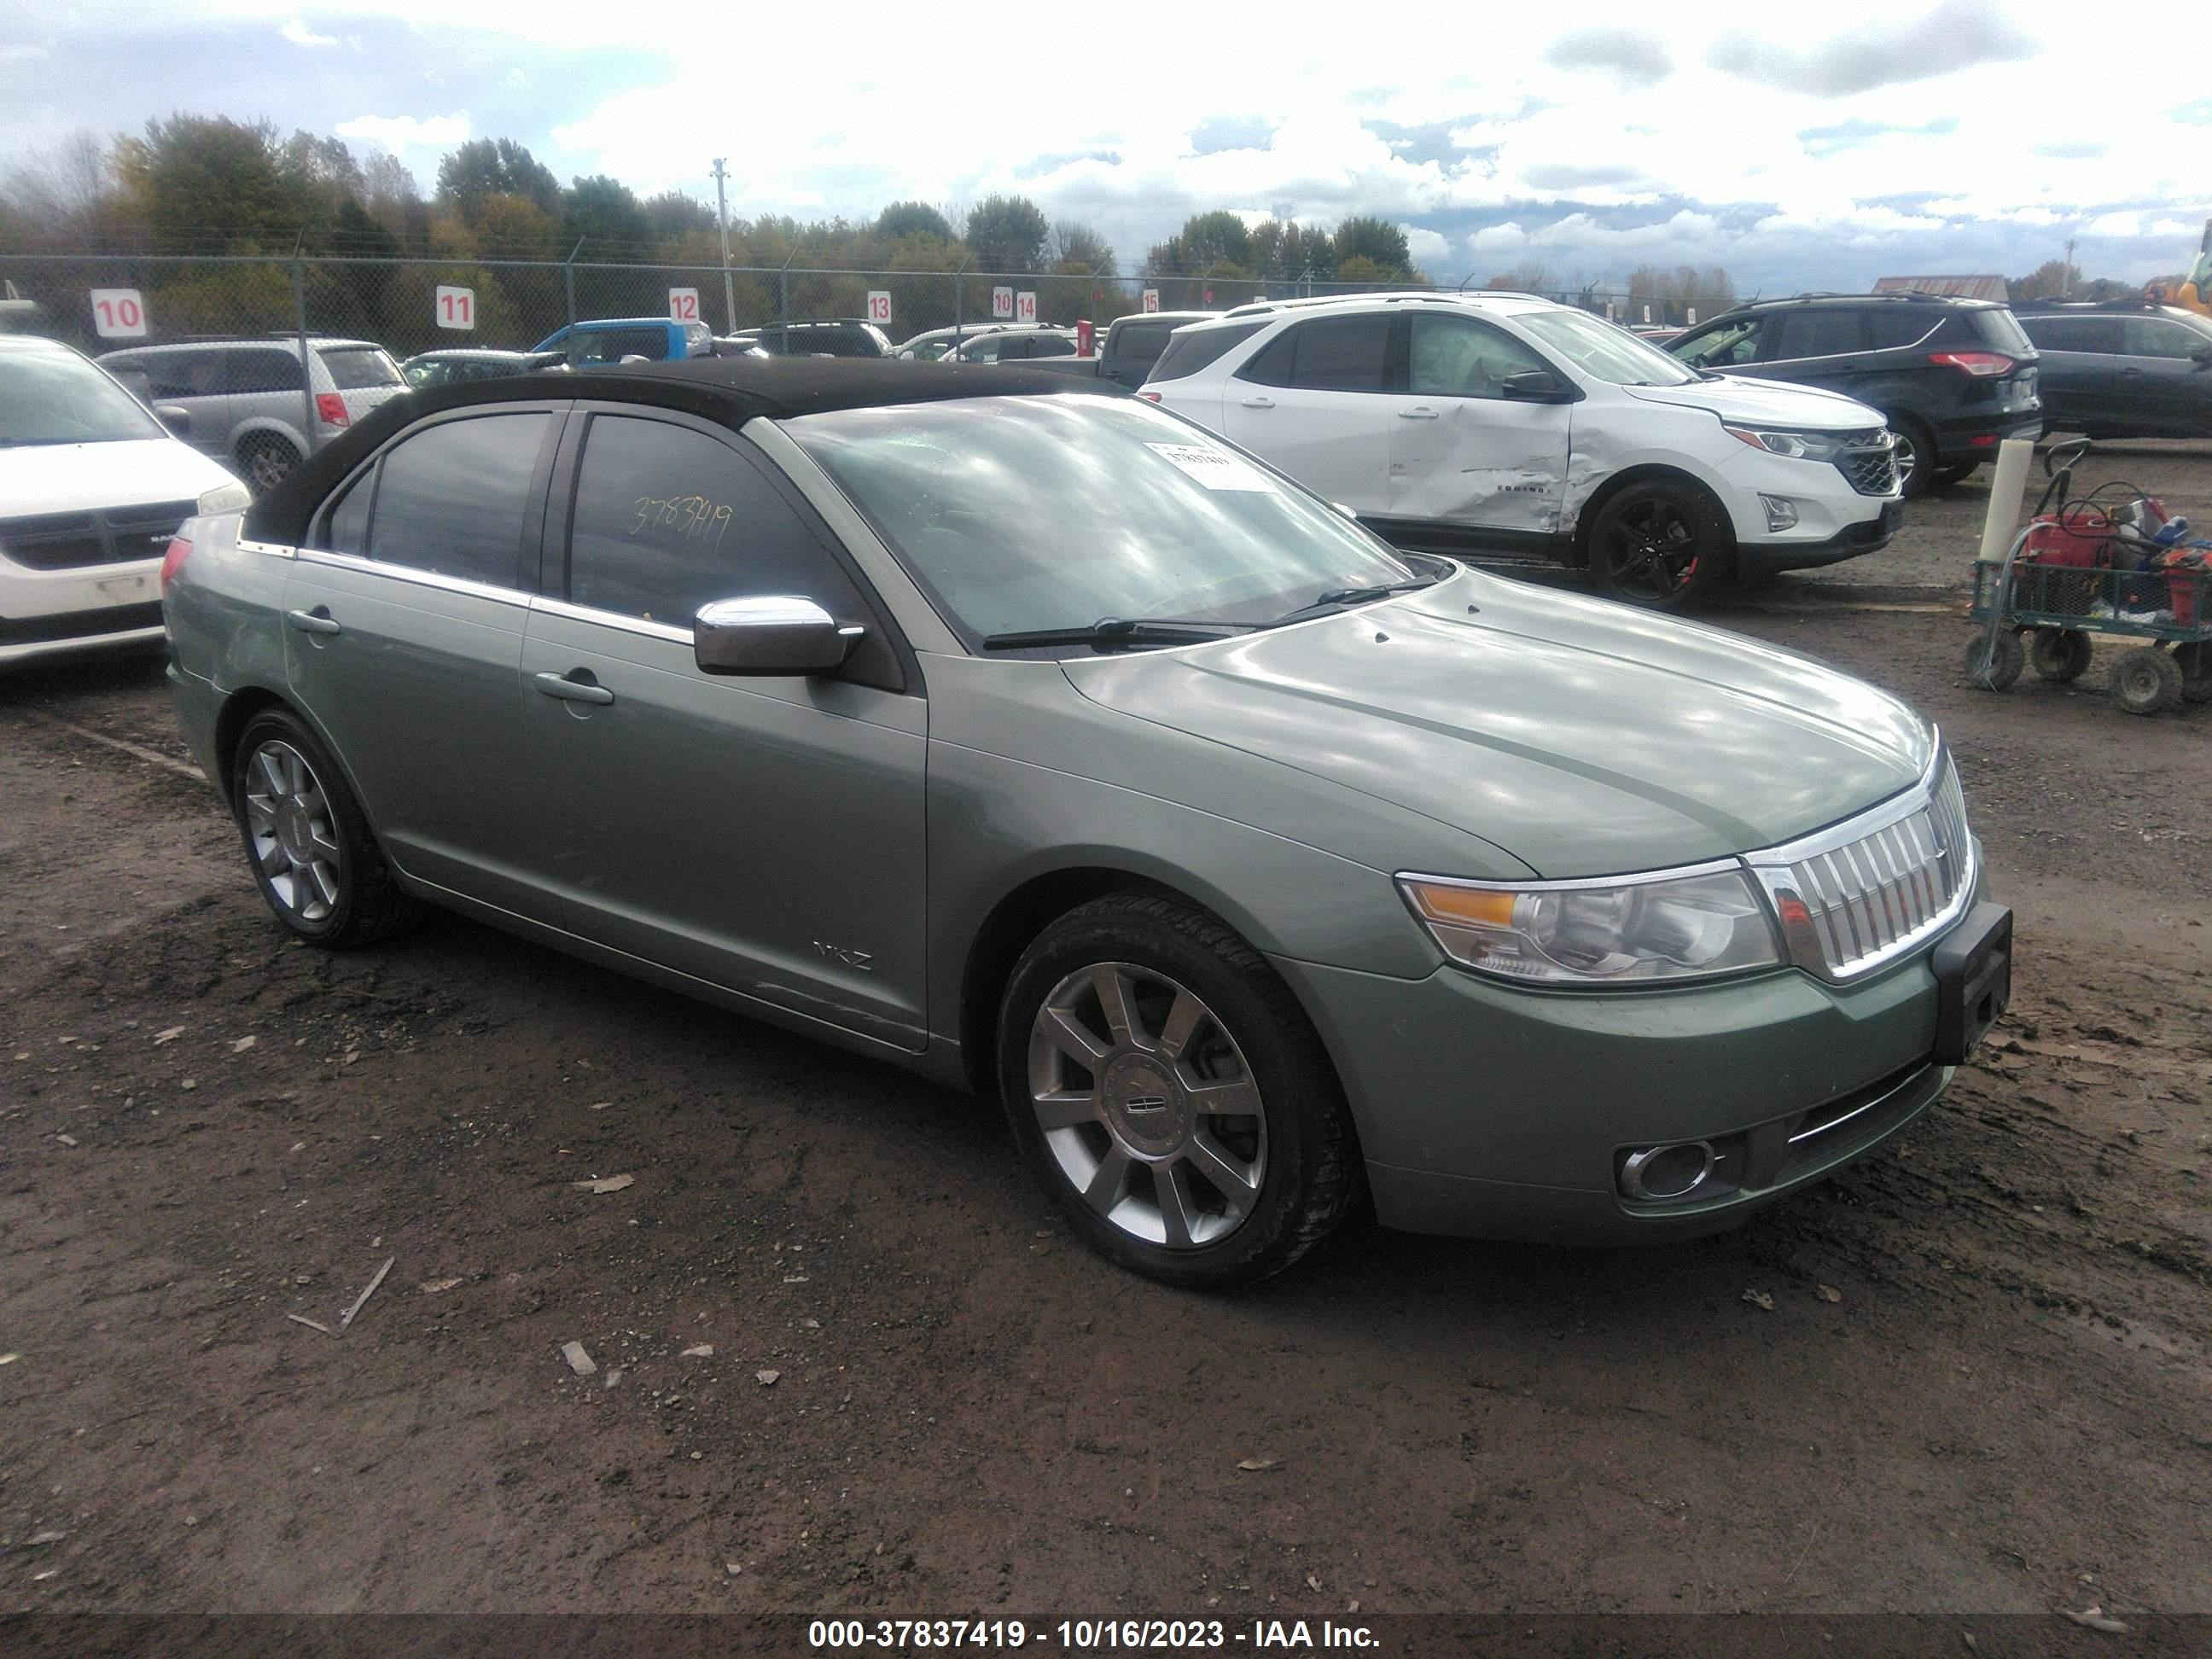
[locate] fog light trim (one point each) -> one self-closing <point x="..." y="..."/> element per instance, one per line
<point x="1781" y="512"/>
<point x="1638" y="1180"/>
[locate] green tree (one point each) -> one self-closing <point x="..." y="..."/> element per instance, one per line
<point x="209" y="184"/>
<point x="1213" y="242"/>
<point x="1007" y="232"/>
<point x="903" y="219"/>
<point x="1376" y="240"/>
<point x="605" y="216"/>
<point x="496" y="167"/>
<point x="672" y="214"/>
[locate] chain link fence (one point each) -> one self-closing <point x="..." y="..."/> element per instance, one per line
<point x="103" y="302"/>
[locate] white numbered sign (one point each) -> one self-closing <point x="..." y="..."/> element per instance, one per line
<point x="456" y="307"/>
<point x="1026" y="306"/>
<point x="684" y="304"/>
<point x="1693" y="314"/>
<point x="1152" y="299"/>
<point x="119" y="313"/>
<point x="1002" y="302"/>
<point x="880" y="306"/>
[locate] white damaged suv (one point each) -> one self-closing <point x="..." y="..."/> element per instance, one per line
<point x="1509" y="422"/>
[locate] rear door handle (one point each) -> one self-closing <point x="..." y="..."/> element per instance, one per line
<point x="568" y="691"/>
<point x="1259" y="403"/>
<point x="2131" y="371"/>
<point x="318" y="621"/>
<point x="1419" y="412"/>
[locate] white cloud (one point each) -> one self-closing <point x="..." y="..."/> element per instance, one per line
<point x="300" y="35"/>
<point x="1427" y="246"/>
<point x="401" y="132"/>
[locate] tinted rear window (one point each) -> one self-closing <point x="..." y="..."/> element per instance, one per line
<point x="1816" y="331"/>
<point x="1187" y="354"/>
<point x="1343" y="353"/>
<point x="2094" y="334"/>
<point x="452" y="498"/>
<point x="2001" y="330"/>
<point x="353" y="368"/>
<point x="1142" y="343"/>
<point x="1891" y="327"/>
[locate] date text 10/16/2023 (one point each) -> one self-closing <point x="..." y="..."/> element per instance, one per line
<point x="1088" y="1635"/>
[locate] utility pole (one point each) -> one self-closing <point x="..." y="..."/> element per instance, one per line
<point x="722" y="213"/>
<point x="2066" y="273"/>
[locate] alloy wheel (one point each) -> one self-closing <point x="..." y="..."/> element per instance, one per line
<point x="1652" y="550"/>
<point x="1147" y="1105"/>
<point x="294" y="838"/>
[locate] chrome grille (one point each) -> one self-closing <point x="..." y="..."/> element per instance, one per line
<point x="1871" y="471"/>
<point x="1868" y="891"/>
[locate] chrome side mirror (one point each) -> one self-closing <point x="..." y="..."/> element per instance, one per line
<point x="775" y="634"/>
<point x="176" y="417"/>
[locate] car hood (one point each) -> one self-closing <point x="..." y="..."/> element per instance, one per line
<point x="1584" y="737"/>
<point x="1774" y="403"/>
<point x="76" y="477"/>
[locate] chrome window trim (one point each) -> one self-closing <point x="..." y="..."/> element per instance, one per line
<point x="584" y="613"/>
<point x="413" y="573"/>
<point x="273" y="550"/>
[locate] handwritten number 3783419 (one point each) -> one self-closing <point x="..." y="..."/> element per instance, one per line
<point x="683" y="518"/>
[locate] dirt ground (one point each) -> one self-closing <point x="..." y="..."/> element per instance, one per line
<point x="923" y="1397"/>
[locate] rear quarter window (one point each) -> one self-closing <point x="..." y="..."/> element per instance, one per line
<point x="2000" y="330"/>
<point x="1894" y="326"/>
<point x="1189" y="352"/>
<point x="452" y="498"/>
<point x="353" y="368"/>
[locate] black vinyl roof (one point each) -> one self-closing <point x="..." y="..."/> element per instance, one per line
<point x="727" y="390"/>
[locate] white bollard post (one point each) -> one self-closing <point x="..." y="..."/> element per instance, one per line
<point x="2008" y="490"/>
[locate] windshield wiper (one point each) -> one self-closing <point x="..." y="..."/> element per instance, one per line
<point x="1341" y="598"/>
<point x="1121" y="630"/>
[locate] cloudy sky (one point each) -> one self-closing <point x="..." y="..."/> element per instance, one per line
<point x="1942" y="136"/>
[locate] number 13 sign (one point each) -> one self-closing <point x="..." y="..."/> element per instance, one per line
<point x="880" y="306"/>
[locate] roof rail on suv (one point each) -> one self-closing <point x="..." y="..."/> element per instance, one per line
<point x="1435" y="296"/>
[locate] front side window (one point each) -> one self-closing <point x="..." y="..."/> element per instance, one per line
<point x="2160" y="336"/>
<point x="1604" y="351"/>
<point x="1725" y="345"/>
<point x="453" y="498"/>
<point x="249" y="369"/>
<point x="1019" y="514"/>
<point x="194" y="373"/>
<point x="668" y="519"/>
<point x="1459" y="357"/>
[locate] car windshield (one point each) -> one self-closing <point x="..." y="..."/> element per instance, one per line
<point x="1603" y="351"/>
<point x="1026" y="514"/>
<point x="57" y="398"/>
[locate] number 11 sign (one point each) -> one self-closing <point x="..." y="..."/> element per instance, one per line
<point x="456" y="307"/>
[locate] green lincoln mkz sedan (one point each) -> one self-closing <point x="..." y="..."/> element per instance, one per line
<point x="1034" y="739"/>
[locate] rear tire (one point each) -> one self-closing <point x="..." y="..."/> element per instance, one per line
<point x="1164" y="1086"/>
<point x="2061" y="655"/>
<point x="1658" y="544"/>
<point x="311" y="850"/>
<point x="2146" y="681"/>
<point x="1917" y="466"/>
<point x="2195" y="660"/>
<point x="266" y="462"/>
<point x="1993" y="665"/>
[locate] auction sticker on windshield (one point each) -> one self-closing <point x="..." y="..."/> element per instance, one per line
<point x="1213" y="469"/>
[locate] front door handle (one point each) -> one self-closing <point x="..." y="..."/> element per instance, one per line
<point x="1259" y="403"/>
<point x="568" y="691"/>
<point x="1419" y="412"/>
<point x="2132" y="371"/>
<point x="318" y="621"/>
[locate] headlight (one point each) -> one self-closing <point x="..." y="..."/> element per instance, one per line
<point x="1798" y="446"/>
<point x="1681" y="925"/>
<point x="225" y="498"/>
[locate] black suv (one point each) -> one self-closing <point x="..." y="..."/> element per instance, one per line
<point x="840" y="337"/>
<point x="2124" y="368"/>
<point x="1952" y="377"/>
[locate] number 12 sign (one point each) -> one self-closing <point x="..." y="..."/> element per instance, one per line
<point x="684" y="304"/>
<point x="456" y="307"/>
<point x="119" y="313"/>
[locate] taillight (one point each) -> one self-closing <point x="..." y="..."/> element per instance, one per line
<point x="1150" y="397"/>
<point x="173" y="561"/>
<point x="331" y="408"/>
<point x="1982" y="365"/>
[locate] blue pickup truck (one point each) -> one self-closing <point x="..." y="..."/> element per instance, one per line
<point x="605" y="341"/>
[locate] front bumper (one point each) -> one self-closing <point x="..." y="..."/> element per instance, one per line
<point x="1493" y="1111"/>
<point x="1869" y="536"/>
<point x="49" y="612"/>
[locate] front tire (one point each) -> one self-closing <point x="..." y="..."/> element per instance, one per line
<point x="2147" y="681"/>
<point x="1917" y="470"/>
<point x="1658" y="544"/>
<point x="1164" y="1086"/>
<point x="311" y="850"/>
